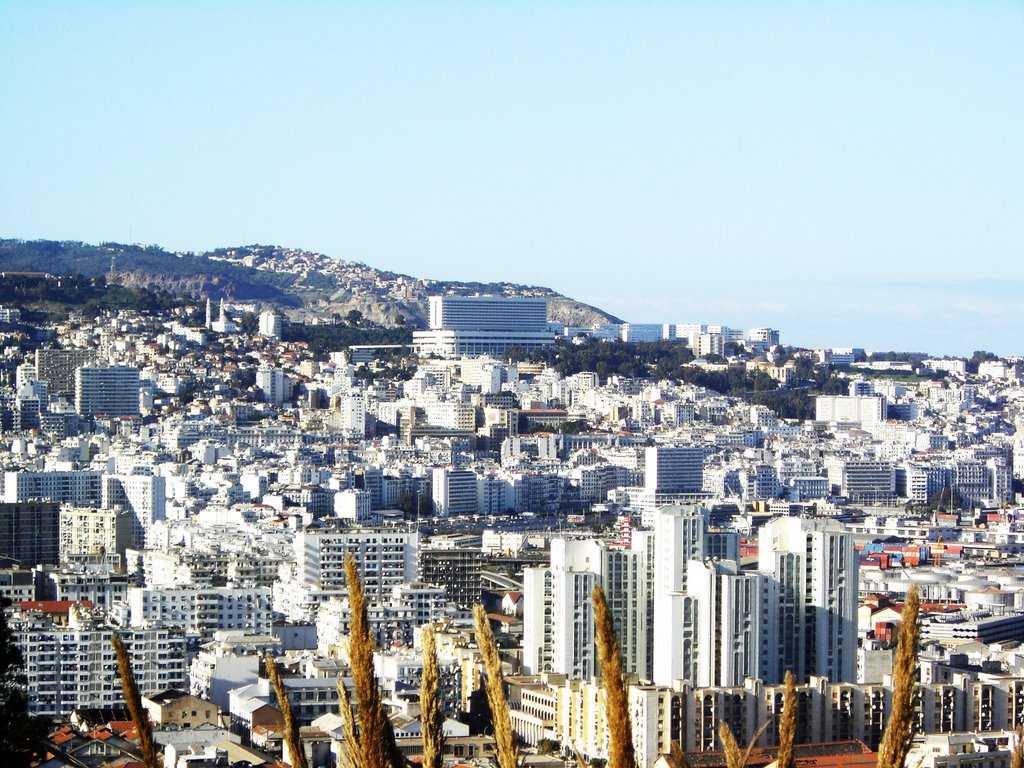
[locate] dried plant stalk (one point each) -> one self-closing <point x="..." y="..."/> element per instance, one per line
<point x="350" y="750"/>
<point x="494" y="685"/>
<point x="678" y="756"/>
<point x="620" y="725"/>
<point x="431" y="710"/>
<point x="733" y="757"/>
<point x="291" y="728"/>
<point x="787" y="727"/>
<point x="139" y="715"/>
<point x="899" y="733"/>
<point x="377" y="747"/>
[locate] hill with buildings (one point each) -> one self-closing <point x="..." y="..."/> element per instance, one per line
<point x="301" y="282"/>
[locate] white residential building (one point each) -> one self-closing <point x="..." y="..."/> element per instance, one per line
<point x="73" y="665"/>
<point x="471" y="326"/>
<point x="355" y="504"/>
<point x="79" y="487"/>
<point x="679" y="534"/>
<point x="454" y="491"/>
<point x="815" y="566"/>
<point x="270" y="324"/>
<point x="202" y="610"/>
<point x="386" y="557"/>
<point x="867" y="412"/>
<point x="737" y="623"/>
<point x="674" y="469"/>
<point x="144" y="495"/>
<point x="558" y="622"/>
<point x="107" y="390"/>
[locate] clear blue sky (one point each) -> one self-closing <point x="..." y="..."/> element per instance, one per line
<point x="852" y="173"/>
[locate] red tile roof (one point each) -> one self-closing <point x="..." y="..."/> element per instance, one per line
<point x="52" y="606"/>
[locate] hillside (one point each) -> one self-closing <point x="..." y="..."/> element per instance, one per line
<point x="300" y="282"/>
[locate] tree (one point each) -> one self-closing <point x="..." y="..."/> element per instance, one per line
<point x="407" y="503"/>
<point x="945" y="499"/>
<point x="426" y="505"/>
<point x="354" y="317"/>
<point x="20" y="734"/>
<point x="505" y="746"/>
<point x="548" y="747"/>
<point x="787" y="725"/>
<point x="979" y="356"/>
<point x="432" y="717"/>
<point x="249" y="323"/>
<point x="292" y="738"/>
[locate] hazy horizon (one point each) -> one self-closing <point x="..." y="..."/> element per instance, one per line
<point x="848" y="174"/>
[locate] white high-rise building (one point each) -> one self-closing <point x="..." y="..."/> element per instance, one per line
<point x="386" y="557"/>
<point x="202" y="610"/>
<point x="275" y="384"/>
<point x="558" y="620"/>
<point x="863" y="480"/>
<point x="709" y="344"/>
<point x="815" y="566"/>
<point x="145" y="496"/>
<point x="107" y="390"/>
<point x="471" y="326"/>
<point x="678" y="469"/>
<point x="454" y="491"/>
<point x="642" y="332"/>
<point x="767" y="336"/>
<point x="355" y="504"/>
<point x="495" y="313"/>
<point x="87" y="530"/>
<point x="679" y="534"/>
<point x="70" y="663"/>
<point x="83" y="488"/>
<point x="737" y="623"/>
<point x="270" y="324"/>
<point x="351" y="410"/>
<point x="865" y="411"/>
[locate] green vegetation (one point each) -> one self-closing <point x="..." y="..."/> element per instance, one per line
<point x="945" y="500"/>
<point x="324" y="339"/>
<point x="19" y="733"/>
<point x="43" y="298"/>
<point x="70" y="257"/>
<point x="548" y="747"/>
<point x="670" y="360"/>
<point x="979" y="356"/>
<point x="660" y="360"/>
<point x="899" y="357"/>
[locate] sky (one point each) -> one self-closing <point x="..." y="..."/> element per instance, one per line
<point x="849" y="173"/>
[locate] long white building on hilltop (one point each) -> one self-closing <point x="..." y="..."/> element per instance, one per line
<point x="471" y="326"/>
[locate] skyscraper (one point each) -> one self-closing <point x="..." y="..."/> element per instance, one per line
<point x="737" y="624"/>
<point x="558" y="620"/>
<point x="675" y="469"/>
<point x="815" y="566"/>
<point x="107" y="390"/>
<point x="679" y="533"/>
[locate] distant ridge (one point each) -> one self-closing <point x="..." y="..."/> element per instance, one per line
<point x="301" y="282"/>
